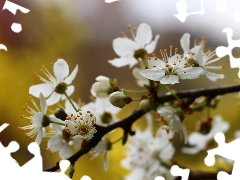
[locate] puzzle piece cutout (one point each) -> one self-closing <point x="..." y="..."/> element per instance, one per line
<point x="227" y="150"/>
<point x="159" y="178"/>
<point x="222" y="51"/>
<point x="33" y="169"/>
<point x="12" y="7"/>
<point x="177" y="171"/>
<point x="182" y="8"/>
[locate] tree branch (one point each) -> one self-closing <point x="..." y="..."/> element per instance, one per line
<point x="127" y="122"/>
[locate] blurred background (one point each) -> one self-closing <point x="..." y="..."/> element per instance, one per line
<point x="81" y="32"/>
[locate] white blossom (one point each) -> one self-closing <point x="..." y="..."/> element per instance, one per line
<point x="38" y="119"/>
<point x="170" y="70"/>
<point x="199" y="141"/>
<point x="60" y="142"/>
<point x="126" y="48"/>
<point x="54" y="87"/>
<point x="101" y="148"/>
<point x="168" y="115"/>
<point x="146" y="153"/>
<point x="200" y="58"/>
<point x="81" y="124"/>
<point x="101" y="87"/>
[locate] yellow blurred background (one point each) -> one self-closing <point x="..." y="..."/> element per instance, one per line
<point x="81" y="32"/>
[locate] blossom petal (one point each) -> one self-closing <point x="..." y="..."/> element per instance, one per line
<point x="185" y="42"/>
<point x="60" y="69"/>
<point x="37" y="119"/>
<point x="198" y="55"/>
<point x="72" y="76"/>
<point x="57" y="127"/>
<point x="150" y="48"/>
<point x="43" y="103"/>
<point x="153" y="74"/>
<point x="170" y="79"/>
<point x="77" y="141"/>
<point x="105" y="161"/>
<point x="143" y="34"/>
<point x="212" y="76"/>
<point x="45" y="89"/>
<point x="53" y="99"/>
<point x="39" y="136"/>
<point x="66" y="151"/>
<point x="55" y="143"/>
<point x="120" y="62"/>
<point x="190" y="73"/>
<point x="124" y="47"/>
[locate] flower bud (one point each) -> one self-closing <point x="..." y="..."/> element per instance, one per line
<point x="101" y="87"/>
<point x="119" y="99"/>
<point x="60" y="114"/>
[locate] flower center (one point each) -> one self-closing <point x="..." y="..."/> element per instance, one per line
<point x="83" y="130"/>
<point x="140" y="53"/>
<point x="65" y="135"/>
<point x="61" y="88"/>
<point x="45" y="121"/>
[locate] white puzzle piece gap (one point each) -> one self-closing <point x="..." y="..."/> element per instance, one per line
<point x="177" y="171"/>
<point x="227" y="150"/>
<point x="183" y="13"/>
<point x="222" y="51"/>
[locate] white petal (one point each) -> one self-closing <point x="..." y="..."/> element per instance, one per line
<point x="45" y="89"/>
<point x="150" y="48"/>
<point x="160" y="64"/>
<point x="120" y="62"/>
<point x="2" y="46"/>
<point x="57" y="127"/>
<point x="39" y="136"/>
<point x="170" y="79"/>
<point x="212" y="76"/>
<point x="66" y="151"/>
<point x="185" y="42"/>
<point x="69" y="108"/>
<point x="143" y="35"/>
<point x="198" y="55"/>
<point x="53" y="118"/>
<point x="77" y="141"/>
<point x="124" y="47"/>
<point x="105" y="161"/>
<point x="190" y="73"/>
<point x="43" y="103"/>
<point x="53" y="99"/>
<point x="153" y="74"/>
<point x="72" y="76"/>
<point x="37" y="120"/>
<point x="102" y="78"/>
<point x="55" y="143"/>
<point x="60" y="69"/>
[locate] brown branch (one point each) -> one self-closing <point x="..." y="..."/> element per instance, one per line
<point x="127" y="122"/>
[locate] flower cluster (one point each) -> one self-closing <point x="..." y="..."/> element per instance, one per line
<point x="149" y="152"/>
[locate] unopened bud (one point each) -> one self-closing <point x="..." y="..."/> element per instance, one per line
<point x="119" y="99"/>
<point x="60" y="114"/>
